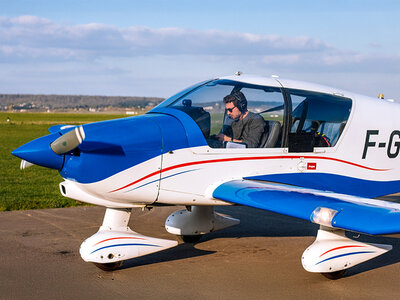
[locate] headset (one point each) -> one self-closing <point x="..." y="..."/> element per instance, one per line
<point x="242" y="102"/>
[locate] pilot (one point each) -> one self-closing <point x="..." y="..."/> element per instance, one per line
<point x="247" y="127"/>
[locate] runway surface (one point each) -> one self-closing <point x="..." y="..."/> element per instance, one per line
<point x="258" y="259"/>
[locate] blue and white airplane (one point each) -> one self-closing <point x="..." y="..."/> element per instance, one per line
<point x="325" y="155"/>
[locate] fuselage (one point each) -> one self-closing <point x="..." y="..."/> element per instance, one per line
<point x="166" y="156"/>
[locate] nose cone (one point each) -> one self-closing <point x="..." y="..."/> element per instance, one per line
<point x="39" y="152"/>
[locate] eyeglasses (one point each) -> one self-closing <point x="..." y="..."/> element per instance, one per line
<point x="230" y="109"/>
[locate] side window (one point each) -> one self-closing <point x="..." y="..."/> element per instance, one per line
<point x="317" y="120"/>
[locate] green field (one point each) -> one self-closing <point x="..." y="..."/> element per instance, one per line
<point x="34" y="187"/>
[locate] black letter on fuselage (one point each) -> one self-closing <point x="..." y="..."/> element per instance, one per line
<point x="396" y="144"/>
<point x="368" y="143"/>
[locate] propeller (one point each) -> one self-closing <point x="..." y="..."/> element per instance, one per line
<point x="68" y="141"/>
<point x="48" y="151"/>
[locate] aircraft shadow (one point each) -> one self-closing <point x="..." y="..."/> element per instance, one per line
<point x="260" y="223"/>
<point x="389" y="258"/>
<point x="181" y="251"/>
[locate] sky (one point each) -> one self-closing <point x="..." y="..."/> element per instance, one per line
<point x="157" y="48"/>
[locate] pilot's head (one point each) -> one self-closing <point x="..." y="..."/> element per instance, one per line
<point x="235" y="104"/>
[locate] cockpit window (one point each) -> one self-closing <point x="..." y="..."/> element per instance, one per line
<point x="317" y="120"/>
<point x="206" y="107"/>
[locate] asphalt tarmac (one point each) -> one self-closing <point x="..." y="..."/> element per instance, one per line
<point x="258" y="259"/>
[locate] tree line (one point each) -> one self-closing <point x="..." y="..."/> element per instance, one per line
<point x="27" y="101"/>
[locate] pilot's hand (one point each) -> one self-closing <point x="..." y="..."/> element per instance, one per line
<point x="224" y="138"/>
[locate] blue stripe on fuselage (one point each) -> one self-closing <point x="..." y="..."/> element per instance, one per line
<point x="335" y="183"/>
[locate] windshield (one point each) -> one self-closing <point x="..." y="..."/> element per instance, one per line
<point x="206" y="107"/>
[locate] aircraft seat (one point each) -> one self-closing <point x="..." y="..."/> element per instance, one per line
<point x="271" y="134"/>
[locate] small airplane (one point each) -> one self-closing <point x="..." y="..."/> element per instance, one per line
<point x="324" y="157"/>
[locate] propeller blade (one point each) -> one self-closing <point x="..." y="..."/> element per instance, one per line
<point x="25" y="164"/>
<point x="68" y="141"/>
<point x="58" y="128"/>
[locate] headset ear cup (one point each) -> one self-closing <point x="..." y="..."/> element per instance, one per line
<point x="240" y="106"/>
<point x="242" y="102"/>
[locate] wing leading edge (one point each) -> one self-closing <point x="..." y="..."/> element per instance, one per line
<point x="352" y="213"/>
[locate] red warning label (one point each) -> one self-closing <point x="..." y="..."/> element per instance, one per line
<point x="311" y="166"/>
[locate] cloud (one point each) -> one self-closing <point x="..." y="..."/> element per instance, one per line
<point x="32" y="37"/>
<point x="40" y="55"/>
<point x="335" y="60"/>
<point x="28" y="38"/>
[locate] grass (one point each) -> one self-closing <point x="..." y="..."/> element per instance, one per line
<point x="34" y="187"/>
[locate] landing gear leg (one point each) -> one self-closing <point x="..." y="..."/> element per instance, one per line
<point x="116" y="242"/>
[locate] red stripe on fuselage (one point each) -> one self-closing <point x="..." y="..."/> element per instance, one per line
<point x="242" y="159"/>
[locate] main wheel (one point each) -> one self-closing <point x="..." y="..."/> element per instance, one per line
<point x="334" y="275"/>
<point x="110" y="266"/>
<point x="190" y="238"/>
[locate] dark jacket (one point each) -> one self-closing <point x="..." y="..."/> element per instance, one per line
<point x="249" y="130"/>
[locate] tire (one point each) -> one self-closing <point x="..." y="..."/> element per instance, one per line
<point x="109" y="266"/>
<point x="190" y="238"/>
<point x="334" y="275"/>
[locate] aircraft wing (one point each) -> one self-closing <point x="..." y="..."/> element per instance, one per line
<point x="364" y="215"/>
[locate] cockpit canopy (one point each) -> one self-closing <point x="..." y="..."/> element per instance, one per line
<point x="298" y="119"/>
